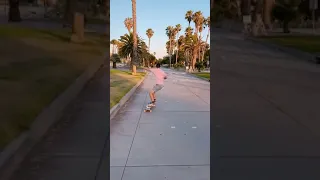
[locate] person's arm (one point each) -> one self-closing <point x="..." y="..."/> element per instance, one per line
<point x="147" y="69"/>
<point x="165" y="76"/>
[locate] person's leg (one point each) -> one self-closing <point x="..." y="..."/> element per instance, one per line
<point x="154" y="96"/>
<point x="156" y="88"/>
<point x="151" y="95"/>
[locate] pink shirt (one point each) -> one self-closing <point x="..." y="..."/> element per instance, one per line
<point x="159" y="75"/>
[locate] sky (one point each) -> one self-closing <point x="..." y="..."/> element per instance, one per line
<point x="157" y="15"/>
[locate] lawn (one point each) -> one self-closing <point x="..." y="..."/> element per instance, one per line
<point x="121" y="83"/>
<point x="35" y="67"/>
<point x="309" y="44"/>
<point x="205" y="75"/>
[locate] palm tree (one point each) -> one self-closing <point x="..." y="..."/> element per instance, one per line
<point x="118" y="44"/>
<point x="198" y="20"/>
<point x="267" y="10"/>
<point x="207" y="24"/>
<point x="285" y="11"/>
<point x="188" y="16"/>
<point x="143" y="52"/>
<point x="128" y="22"/>
<point x="188" y="31"/>
<point x="126" y="47"/>
<point x="177" y="29"/>
<point x="180" y="43"/>
<point x="192" y="45"/>
<point x="115" y="58"/>
<point x="149" y="33"/>
<point x="135" y="43"/>
<point x="170" y="33"/>
<point x="113" y="42"/>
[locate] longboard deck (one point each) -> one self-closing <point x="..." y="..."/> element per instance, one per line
<point x="148" y="108"/>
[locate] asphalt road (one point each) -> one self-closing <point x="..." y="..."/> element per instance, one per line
<point x="265" y="112"/>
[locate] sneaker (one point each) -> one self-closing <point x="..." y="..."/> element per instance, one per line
<point x="151" y="104"/>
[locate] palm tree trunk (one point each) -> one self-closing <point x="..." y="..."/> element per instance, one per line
<point x="257" y="24"/>
<point x="206" y="43"/>
<point x="199" y="58"/>
<point x="194" y="58"/>
<point x="177" y="49"/>
<point x="286" y="27"/>
<point x="170" y="52"/>
<point x="267" y="10"/>
<point x="135" y="42"/>
<point x="177" y="52"/>
<point x="149" y="45"/>
<point x="246" y="11"/>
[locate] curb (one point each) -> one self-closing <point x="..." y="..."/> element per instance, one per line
<point x="208" y="80"/>
<point x="15" y="152"/>
<point x="291" y="51"/>
<point x="114" y="110"/>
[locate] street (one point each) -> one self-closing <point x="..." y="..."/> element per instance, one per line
<point x="264" y="112"/>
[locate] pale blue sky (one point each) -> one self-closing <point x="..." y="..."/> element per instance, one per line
<point x="156" y="15"/>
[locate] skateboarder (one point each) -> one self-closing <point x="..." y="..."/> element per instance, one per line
<point x="160" y="76"/>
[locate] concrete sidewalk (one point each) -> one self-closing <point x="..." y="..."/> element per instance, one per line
<point x="266" y="104"/>
<point x="75" y="147"/>
<point x="171" y="142"/>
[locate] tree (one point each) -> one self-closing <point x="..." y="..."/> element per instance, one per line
<point x="170" y="31"/>
<point x="257" y="24"/>
<point x="149" y="33"/>
<point x="207" y="24"/>
<point x="267" y="13"/>
<point x="126" y="47"/>
<point x="134" y="57"/>
<point x="14" y="11"/>
<point x="177" y="29"/>
<point x="113" y="42"/>
<point x="128" y="23"/>
<point x="115" y="58"/>
<point x="198" y="20"/>
<point x="143" y="53"/>
<point x="285" y="11"/>
<point x="180" y="44"/>
<point x="188" y="31"/>
<point x="188" y="16"/>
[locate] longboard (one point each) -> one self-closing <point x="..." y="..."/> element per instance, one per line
<point x="148" y="108"/>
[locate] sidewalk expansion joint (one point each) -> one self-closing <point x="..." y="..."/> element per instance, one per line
<point x="134" y="136"/>
<point x="272" y="157"/>
<point x="169" y="165"/>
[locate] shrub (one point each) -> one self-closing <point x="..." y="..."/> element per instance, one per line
<point x="199" y="66"/>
